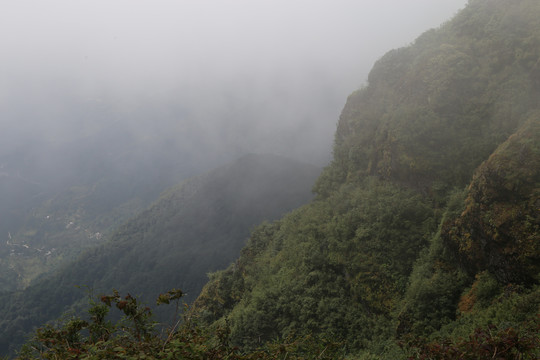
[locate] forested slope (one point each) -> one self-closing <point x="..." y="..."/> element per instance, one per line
<point x="426" y="223"/>
<point x="61" y="197"/>
<point x="422" y="240"/>
<point x="195" y="227"/>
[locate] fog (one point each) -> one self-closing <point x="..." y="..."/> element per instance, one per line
<point x="219" y="77"/>
<point x="105" y="104"/>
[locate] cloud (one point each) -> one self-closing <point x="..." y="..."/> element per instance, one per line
<point x="271" y="75"/>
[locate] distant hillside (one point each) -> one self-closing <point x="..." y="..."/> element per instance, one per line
<point x="422" y="241"/>
<point x="59" y="198"/>
<point x="194" y="228"/>
<point x="426" y="224"/>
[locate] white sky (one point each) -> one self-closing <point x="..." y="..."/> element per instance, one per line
<point x="290" y="59"/>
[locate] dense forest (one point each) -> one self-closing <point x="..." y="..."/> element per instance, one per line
<point x="422" y="241"/>
<point x="61" y="197"/>
<point x="426" y="224"/>
<point x="194" y="228"/>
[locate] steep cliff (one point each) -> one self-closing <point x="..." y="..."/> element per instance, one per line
<point x="434" y="185"/>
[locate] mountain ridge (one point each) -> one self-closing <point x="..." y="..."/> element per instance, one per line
<point x="379" y="269"/>
<point x="422" y="240"/>
<point x="193" y="228"/>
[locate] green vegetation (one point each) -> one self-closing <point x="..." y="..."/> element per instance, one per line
<point x="194" y="228"/>
<point x="134" y="337"/>
<point x="423" y="239"/>
<point x="59" y="229"/>
<point x="61" y="199"/>
<point x="435" y="183"/>
<point x="324" y="268"/>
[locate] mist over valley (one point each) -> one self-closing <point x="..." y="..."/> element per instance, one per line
<point x="296" y="180"/>
<point x="103" y="106"/>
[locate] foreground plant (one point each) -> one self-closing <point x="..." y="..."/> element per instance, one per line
<point x="491" y="342"/>
<point x="135" y="336"/>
